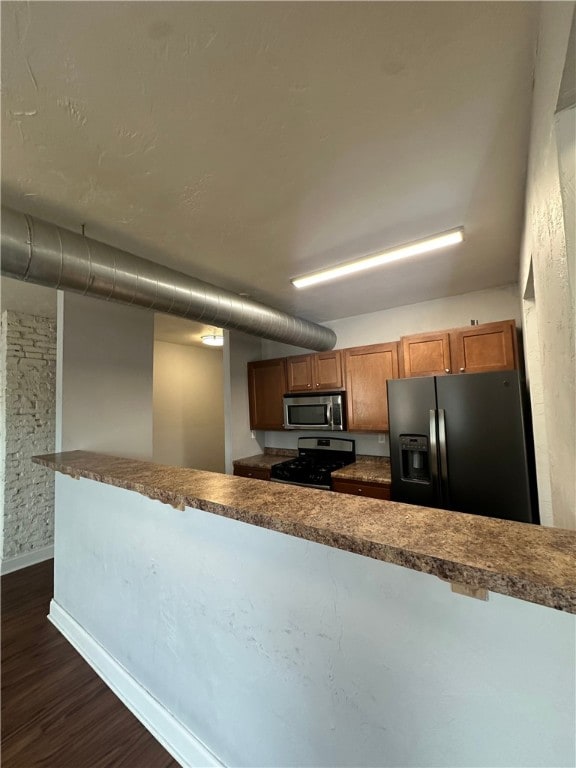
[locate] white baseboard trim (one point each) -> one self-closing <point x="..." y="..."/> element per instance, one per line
<point x="28" y="558"/>
<point x="181" y="743"/>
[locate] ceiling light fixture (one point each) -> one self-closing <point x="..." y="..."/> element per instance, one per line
<point x="212" y="340"/>
<point x="433" y="243"/>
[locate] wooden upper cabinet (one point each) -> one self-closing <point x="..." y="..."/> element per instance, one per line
<point x="320" y="372"/>
<point x="364" y="371"/>
<point x="426" y="354"/>
<point x="299" y="373"/>
<point x="367" y="369"/>
<point x="472" y="349"/>
<point x="487" y="347"/>
<point x="327" y="370"/>
<point x="266" y="388"/>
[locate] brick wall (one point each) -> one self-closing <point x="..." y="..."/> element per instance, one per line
<point x="27" y="420"/>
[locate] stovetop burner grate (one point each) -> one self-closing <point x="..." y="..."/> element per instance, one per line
<point x="317" y="459"/>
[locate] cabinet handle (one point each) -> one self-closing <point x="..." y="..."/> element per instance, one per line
<point x="308" y="385"/>
<point x="317" y="385"/>
<point x="359" y="490"/>
<point x="462" y="370"/>
<point x="447" y="370"/>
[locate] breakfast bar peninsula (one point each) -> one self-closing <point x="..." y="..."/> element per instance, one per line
<point x="251" y="623"/>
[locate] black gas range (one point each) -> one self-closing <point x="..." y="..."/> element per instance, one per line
<point x="317" y="458"/>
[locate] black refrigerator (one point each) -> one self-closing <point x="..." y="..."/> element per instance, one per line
<point x="464" y="443"/>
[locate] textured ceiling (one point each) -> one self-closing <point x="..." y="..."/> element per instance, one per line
<point x="246" y="143"/>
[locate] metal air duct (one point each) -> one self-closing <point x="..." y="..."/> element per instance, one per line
<point x="38" y="252"/>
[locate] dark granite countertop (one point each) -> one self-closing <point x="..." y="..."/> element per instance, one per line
<point x="524" y="561"/>
<point x="262" y="460"/>
<point x="367" y="469"/>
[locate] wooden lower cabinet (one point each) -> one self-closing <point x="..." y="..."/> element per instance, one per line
<point x="257" y="473"/>
<point x="367" y="369"/>
<point x="369" y="490"/>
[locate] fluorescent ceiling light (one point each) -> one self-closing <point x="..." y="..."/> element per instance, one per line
<point x="212" y="340"/>
<point x="433" y="243"/>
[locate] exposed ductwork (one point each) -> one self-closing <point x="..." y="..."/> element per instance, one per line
<point x="38" y="252"/>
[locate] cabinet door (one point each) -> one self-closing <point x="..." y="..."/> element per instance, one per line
<point x="299" y="370"/>
<point x="368" y="490"/>
<point x="486" y="347"/>
<point x="327" y="370"/>
<point x="367" y="369"/>
<point x="257" y="473"/>
<point x="266" y="387"/>
<point x="426" y="354"/>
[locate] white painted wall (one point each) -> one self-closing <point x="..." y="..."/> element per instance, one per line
<point x="188" y="406"/>
<point x="451" y="312"/>
<point x="239" y="350"/>
<point x="389" y="325"/>
<point x="19" y="296"/>
<point x="544" y="247"/>
<point x="366" y="444"/>
<point x="534" y="375"/>
<point x="104" y="386"/>
<point x="566" y="142"/>
<point x="275" y="651"/>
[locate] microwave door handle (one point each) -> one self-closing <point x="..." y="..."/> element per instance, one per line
<point x="329" y="414"/>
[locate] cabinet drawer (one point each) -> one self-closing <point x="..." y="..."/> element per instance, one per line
<point x="370" y="490"/>
<point x="256" y="473"/>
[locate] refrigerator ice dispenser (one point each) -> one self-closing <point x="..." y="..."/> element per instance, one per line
<point x="414" y="458"/>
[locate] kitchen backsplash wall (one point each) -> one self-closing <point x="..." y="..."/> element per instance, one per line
<point x="501" y="303"/>
<point x="368" y="445"/>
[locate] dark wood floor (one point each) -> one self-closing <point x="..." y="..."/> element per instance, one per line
<point x="56" y="712"/>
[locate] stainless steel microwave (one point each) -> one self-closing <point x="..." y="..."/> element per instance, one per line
<point x="320" y="411"/>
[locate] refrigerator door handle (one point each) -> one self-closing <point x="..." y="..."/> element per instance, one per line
<point x="433" y="449"/>
<point x="443" y="456"/>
